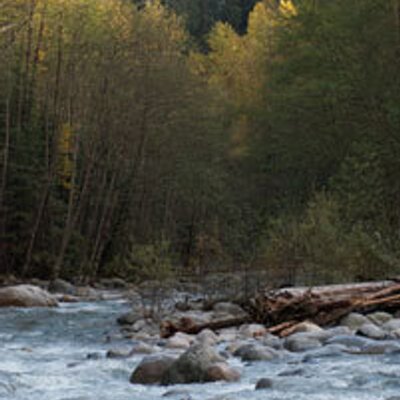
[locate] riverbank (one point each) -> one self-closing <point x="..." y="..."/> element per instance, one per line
<point x="93" y="349"/>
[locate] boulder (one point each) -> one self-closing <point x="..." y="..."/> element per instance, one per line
<point x="264" y="383"/>
<point x="273" y="342"/>
<point x="308" y="327"/>
<point x="61" y="286"/>
<point x="374" y="348"/>
<point x="354" y="321"/>
<point x="114" y="283"/>
<point x="350" y="341"/>
<point x="179" y="341"/>
<point x="130" y="317"/>
<point x="372" y="331"/>
<point x="300" y="342"/>
<point x="207" y="336"/>
<point x="330" y="350"/>
<point x="255" y="352"/>
<point x="379" y="318"/>
<point x="88" y="292"/>
<point x="193" y="365"/>
<point x="151" y="370"/>
<point x="252" y="330"/>
<point x="26" y="296"/>
<point x="392" y="325"/>
<point x="222" y="372"/>
<point x="141" y="348"/>
<point x="117" y="353"/>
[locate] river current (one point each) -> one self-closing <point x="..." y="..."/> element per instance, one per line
<point x="59" y="354"/>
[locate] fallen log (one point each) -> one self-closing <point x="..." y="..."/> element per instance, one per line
<point x="186" y="325"/>
<point x="280" y="310"/>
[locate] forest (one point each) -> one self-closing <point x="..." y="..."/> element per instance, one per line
<point x="152" y="138"/>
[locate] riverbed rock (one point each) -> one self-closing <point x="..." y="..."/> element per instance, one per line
<point x="252" y="330"/>
<point x="179" y="341"/>
<point x="354" y="321"/>
<point x="374" y="348"/>
<point x="372" y="331"/>
<point x="300" y="342"/>
<point x="130" y="317"/>
<point x="379" y="318"/>
<point x="222" y="372"/>
<point x="118" y="353"/>
<point x="62" y="286"/>
<point x="192" y="366"/>
<point x="207" y="336"/>
<point x="351" y="341"/>
<point x="264" y="383"/>
<point x="26" y="296"/>
<point x="256" y="352"/>
<point x="179" y="394"/>
<point x="88" y="293"/>
<point x="114" y="283"/>
<point x="392" y="325"/>
<point x="142" y="348"/>
<point x="308" y="327"/>
<point x="151" y="370"/>
<point x="272" y="341"/>
<point x="330" y="350"/>
<point x="229" y="308"/>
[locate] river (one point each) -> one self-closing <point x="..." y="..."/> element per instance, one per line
<point x="44" y="356"/>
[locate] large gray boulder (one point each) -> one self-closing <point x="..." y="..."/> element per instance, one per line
<point x="379" y="317"/>
<point x="151" y="370"/>
<point x="372" y="331"/>
<point x="354" y="321"/>
<point x="26" y="296"/>
<point x="200" y="363"/>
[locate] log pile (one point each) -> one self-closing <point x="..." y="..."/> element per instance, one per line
<point x="281" y="310"/>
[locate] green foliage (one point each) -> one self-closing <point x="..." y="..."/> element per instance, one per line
<point x="319" y="247"/>
<point x="144" y="262"/>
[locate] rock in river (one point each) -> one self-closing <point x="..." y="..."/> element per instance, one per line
<point x="26" y="296"/>
<point x="200" y="363"/>
<point x="151" y="370"/>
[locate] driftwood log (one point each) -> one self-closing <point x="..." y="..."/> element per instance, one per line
<point x="186" y="325"/>
<point x="281" y="310"/>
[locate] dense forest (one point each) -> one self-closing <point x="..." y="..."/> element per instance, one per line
<point x="140" y="139"/>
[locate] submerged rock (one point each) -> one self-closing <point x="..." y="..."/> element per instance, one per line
<point x="26" y="296"/>
<point x="179" y="394"/>
<point x="264" y="383"/>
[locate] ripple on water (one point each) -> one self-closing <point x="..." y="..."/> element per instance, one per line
<point x="43" y="357"/>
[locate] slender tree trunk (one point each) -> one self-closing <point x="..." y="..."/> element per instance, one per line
<point x="103" y="221"/>
<point x="3" y="182"/>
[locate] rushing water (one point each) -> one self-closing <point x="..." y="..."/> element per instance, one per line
<point x="43" y="356"/>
